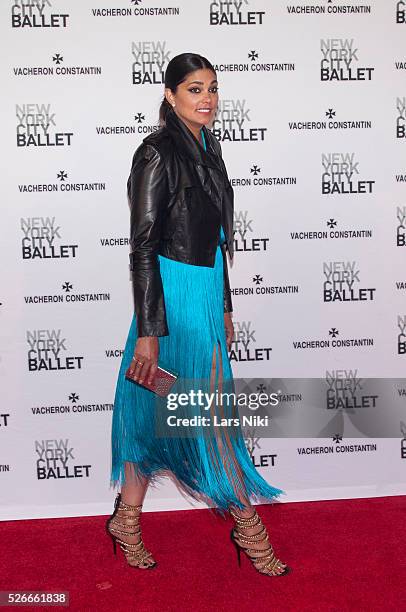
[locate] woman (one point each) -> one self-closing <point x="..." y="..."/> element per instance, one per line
<point x="181" y="226"/>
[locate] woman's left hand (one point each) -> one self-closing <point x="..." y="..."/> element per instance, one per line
<point x="228" y="324"/>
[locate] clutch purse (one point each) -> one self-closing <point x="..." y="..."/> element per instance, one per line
<point x="162" y="382"/>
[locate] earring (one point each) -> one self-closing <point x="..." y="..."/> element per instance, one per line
<point x="173" y="105"/>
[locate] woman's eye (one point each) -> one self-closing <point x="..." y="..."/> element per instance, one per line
<point x="197" y="90"/>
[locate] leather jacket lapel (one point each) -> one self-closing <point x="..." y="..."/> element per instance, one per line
<point x="188" y="146"/>
<point x="209" y="168"/>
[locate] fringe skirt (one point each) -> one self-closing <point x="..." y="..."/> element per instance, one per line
<point x="210" y="462"/>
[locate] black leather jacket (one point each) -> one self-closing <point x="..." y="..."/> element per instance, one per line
<point x="179" y="194"/>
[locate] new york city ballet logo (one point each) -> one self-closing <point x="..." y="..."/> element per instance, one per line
<point x="400" y="11"/>
<point x="42" y="239"/>
<point x="37" y="14"/>
<point x="251" y="440"/>
<point x="403" y="440"/>
<point x="234" y="13"/>
<point x="55" y="459"/>
<point x="150" y="58"/>
<point x="341" y="283"/>
<point x="233" y="122"/>
<point x="252" y="443"/>
<point x="340" y="175"/>
<point x="339" y="61"/>
<point x="48" y="352"/>
<point x="4" y="420"/>
<point x="401" y="117"/>
<point x="245" y="236"/>
<point x="401" y="226"/>
<point x="401" y="334"/>
<point x="36" y="127"/>
<point x="329" y="9"/>
<point x="244" y="346"/>
<point x="344" y="391"/>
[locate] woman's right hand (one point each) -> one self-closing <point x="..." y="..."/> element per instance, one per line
<point x="145" y="361"/>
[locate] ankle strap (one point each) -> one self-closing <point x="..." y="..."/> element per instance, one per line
<point x="122" y="506"/>
<point x="245" y="523"/>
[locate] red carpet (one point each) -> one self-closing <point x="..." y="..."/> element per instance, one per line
<point x="345" y="555"/>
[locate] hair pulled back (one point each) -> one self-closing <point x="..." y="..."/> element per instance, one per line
<point x="176" y="72"/>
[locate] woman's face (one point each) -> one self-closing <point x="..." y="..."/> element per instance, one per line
<point x="195" y="99"/>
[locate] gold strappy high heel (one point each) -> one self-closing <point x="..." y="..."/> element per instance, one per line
<point x="263" y="560"/>
<point x="125" y="521"/>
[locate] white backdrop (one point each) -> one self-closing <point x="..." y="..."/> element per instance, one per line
<point x="312" y="125"/>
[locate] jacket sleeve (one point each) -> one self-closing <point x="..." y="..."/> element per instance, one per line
<point x="228" y="305"/>
<point x="148" y="193"/>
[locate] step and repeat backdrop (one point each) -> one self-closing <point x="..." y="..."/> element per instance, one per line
<point x="312" y="123"/>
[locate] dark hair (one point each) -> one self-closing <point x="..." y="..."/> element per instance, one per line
<point x="176" y="72"/>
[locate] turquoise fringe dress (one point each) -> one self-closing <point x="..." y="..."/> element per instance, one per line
<point x="210" y="463"/>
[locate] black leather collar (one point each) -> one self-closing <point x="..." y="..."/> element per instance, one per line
<point x="188" y="145"/>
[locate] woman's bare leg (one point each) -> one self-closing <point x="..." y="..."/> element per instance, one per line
<point x="134" y="490"/>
